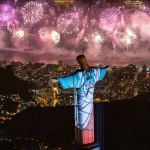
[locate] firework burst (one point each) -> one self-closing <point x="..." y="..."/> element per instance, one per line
<point x="7" y="14"/>
<point x="19" y="33"/>
<point x="55" y="37"/>
<point x="127" y="40"/>
<point x="32" y="12"/>
<point x="145" y="9"/>
<point x="130" y="33"/>
<point x="139" y="19"/>
<point x="97" y="38"/>
<point x="68" y="23"/>
<point x="80" y="35"/>
<point x="110" y="19"/>
<point x="45" y="34"/>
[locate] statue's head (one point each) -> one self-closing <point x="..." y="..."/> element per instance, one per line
<point x="81" y="59"/>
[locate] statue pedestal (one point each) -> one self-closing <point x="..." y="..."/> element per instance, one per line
<point x="93" y="146"/>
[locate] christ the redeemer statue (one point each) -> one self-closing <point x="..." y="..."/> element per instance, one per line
<point x="83" y="82"/>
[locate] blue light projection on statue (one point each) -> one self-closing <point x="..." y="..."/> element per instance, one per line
<point x="83" y="84"/>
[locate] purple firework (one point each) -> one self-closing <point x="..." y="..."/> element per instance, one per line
<point x="7" y="14"/>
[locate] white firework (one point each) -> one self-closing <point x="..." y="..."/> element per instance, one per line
<point x="19" y="33"/>
<point x="55" y="37"/>
<point x="97" y="38"/>
<point x="130" y="33"/>
<point x="127" y="40"/>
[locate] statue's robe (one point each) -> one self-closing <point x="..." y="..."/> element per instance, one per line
<point x="83" y="84"/>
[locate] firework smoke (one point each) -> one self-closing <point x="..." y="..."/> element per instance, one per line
<point x="113" y="35"/>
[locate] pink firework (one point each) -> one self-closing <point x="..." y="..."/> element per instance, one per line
<point x="68" y="23"/>
<point x="110" y="19"/>
<point x="80" y="35"/>
<point x="32" y="12"/>
<point x="45" y="34"/>
<point x="140" y="20"/>
<point x="12" y="25"/>
<point x="7" y="14"/>
<point x="117" y="37"/>
<point x="145" y="9"/>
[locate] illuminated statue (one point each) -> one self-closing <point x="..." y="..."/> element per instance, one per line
<point x="83" y="82"/>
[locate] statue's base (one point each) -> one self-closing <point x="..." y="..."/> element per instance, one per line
<point x="92" y="146"/>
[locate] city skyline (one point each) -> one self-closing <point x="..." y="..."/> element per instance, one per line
<point x="113" y="59"/>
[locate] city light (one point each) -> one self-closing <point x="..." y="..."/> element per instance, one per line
<point x="49" y="95"/>
<point x="63" y="1"/>
<point x="66" y="2"/>
<point x="133" y="3"/>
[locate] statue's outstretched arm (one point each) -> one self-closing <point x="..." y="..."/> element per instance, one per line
<point x="102" y="72"/>
<point x="71" y="81"/>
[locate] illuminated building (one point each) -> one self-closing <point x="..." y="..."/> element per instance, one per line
<point x="60" y="63"/>
<point x="67" y="2"/>
<point x="133" y="3"/>
<point x="55" y="90"/>
<point x="63" y="1"/>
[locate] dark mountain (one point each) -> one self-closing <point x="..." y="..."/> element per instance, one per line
<point x="54" y="126"/>
<point x="126" y="124"/>
<point x="10" y="84"/>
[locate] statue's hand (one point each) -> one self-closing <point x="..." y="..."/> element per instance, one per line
<point x="107" y="67"/>
<point x="54" y="80"/>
